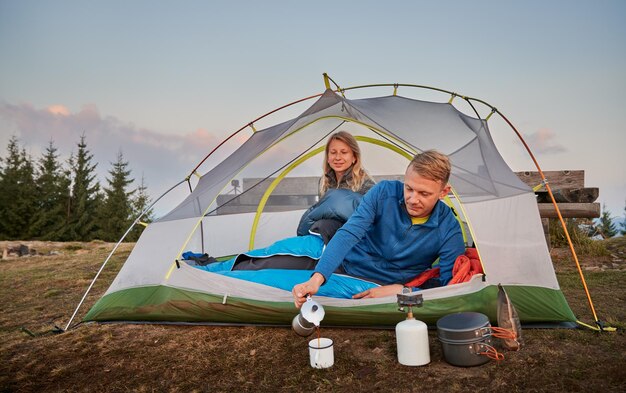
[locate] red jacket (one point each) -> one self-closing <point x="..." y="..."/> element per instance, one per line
<point x="464" y="268"/>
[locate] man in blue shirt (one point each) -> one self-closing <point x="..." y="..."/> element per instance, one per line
<point x="396" y="233"/>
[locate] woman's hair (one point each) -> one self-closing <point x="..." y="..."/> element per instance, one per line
<point x="359" y="175"/>
<point x="432" y="165"/>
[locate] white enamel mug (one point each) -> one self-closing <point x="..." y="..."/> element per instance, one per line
<point x="321" y="353"/>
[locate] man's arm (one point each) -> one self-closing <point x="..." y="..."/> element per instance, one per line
<point x="345" y="238"/>
<point x="382" y="291"/>
<point x="349" y="234"/>
<point x="452" y="246"/>
<point x="300" y="291"/>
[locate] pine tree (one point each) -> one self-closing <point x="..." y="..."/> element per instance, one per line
<point x="140" y="203"/>
<point x="17" y="192"/>
<point x="85" y="197"/>
<point x="605" y="225"/>
<point x="623" y="230"/>
<point x="61" y="233"/>
<point x="624" y="222"/>
<point x="9" y="173"/>
<point x="117" y="209"/>
<point x="53" y="187"/>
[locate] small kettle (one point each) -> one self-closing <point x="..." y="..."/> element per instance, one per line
<point x="310" y="316"/>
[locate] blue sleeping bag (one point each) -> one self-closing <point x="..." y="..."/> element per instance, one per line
<point x="336" y="204"/>
<point x="339" y="285"/>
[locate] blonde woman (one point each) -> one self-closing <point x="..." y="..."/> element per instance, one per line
<point x="341" y="188"/>
<point x="342" y="185"/>
<point x="342" y="165"/>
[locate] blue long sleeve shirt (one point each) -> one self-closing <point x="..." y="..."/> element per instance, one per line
<point x="379" y="242"/>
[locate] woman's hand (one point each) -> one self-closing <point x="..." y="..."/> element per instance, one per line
<point x="382" y="291"/>
<point x="300" y="291"/>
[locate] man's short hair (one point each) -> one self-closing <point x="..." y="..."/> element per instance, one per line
<point x="432" y="165"/>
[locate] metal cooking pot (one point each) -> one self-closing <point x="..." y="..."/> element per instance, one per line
<point x="464" y="337"/>
<point x="310" y="316"/>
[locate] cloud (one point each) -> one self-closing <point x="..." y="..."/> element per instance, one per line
<point x="162" y="159"/>
<point x="59" y="110"/>
<point x="544" y="142"/>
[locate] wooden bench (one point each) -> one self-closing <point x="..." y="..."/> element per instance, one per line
<point x="568" y="187"/>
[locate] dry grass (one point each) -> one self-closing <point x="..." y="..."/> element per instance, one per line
<point x="38" y="292"/>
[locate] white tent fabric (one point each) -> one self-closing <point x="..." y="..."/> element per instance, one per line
<point x="511" y="241"/>
<point x="157" y="249"/>
<point x="479" y="170"/>
<point x="500" y="210"/>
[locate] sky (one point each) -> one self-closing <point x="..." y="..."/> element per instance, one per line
<point x="164" y="82"/>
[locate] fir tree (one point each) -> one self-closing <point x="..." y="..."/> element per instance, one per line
<point x="17" y="192"/>
<point x="53" y="188"/>
<point x="117" y="208"/>
<point x="623" y="230"/>
<point x="605" y="225"/>
<point x="85" y="197"/>
<point x="62" y="231"/>
<point x="140" y="203"/>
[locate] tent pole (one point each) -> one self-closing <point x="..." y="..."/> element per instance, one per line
<point x="558" y="212"/>
<point x="249" y="124"/>
<point x="326" y="82"/>
<point x="545" y="181"/>
<point x="199" y="209"/>
<point x="115" y="248"/>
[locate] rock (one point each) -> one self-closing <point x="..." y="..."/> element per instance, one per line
<point x="11" y="253"/>
<point x="592" y="268"/>
<point x="23" y="250"/>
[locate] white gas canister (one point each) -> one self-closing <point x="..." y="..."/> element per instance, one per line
<point x="412" y="341"/>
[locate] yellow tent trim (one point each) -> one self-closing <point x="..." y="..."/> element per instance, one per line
<point x="312" y="153"/>
<point x="469" y="226"/>
<point x="406" y="148"/>
<point x="302" y="159"/>
<point x="406" y="151"/>
<point x="271" y="188"/>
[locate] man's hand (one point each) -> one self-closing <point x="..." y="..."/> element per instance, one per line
<point x="300" y="291"/>
<point x="382" y="291"/>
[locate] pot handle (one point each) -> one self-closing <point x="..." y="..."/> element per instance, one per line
<point x="485" y="331"/>
<point x="486" y="350"/>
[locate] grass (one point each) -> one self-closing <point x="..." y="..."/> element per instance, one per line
<point x="583" y="244"/>
<point x="40" y="292"/>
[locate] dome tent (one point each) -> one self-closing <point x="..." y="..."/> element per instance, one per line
<point x="498" y="209"/>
